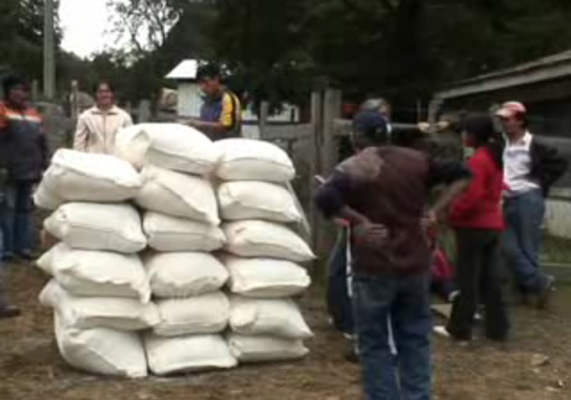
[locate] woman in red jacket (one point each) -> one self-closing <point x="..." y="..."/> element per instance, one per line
<point x="478" y="222"/>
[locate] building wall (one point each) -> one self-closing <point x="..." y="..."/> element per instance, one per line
<point x="189" y="100"/>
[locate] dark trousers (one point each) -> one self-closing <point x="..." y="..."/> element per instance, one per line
<point x="17" y="219"/>
<point x="478" y="279"/>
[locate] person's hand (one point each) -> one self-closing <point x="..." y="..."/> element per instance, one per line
<point x="319" y="180"/>
<point x="424" y="127"/>
<point x="370" y="234"/>
<point x="429" y="221"/>
<point x="340" y="222"/>
<point x="442" y="126"/>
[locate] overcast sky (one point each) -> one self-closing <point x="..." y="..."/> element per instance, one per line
<point x="84" y="23"/>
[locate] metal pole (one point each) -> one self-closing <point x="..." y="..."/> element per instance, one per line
<point x="49" y="50"/>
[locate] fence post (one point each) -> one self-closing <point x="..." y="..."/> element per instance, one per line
<point x="315" y="166"/>
<point x="331" y="111"/>
<point x="144" y="112"/>
<point x="263" y="119"/>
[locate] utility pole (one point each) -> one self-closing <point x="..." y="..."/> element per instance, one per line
<point x="49" y="50"/>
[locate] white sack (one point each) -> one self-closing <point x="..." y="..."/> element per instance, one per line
<point x="45" y="198"/>
<point x="99" y="312"/>
<point x="207" y="313"/>
<point x="265" y="277"/>
<point x="265" y="348"/>
<point x="247" y="159"/>
<point x="79" y="176"/>
<point x="184" y="274"/>
<point x="172" y="146"/>
<point x="257" y="200"/>
<point x="101" y="351"/>
<point x="272" y="317"/>
<point x="97" y="273"/>
<point x="166" y="233"/>
<point x="131" y="145"/>
<point x="257" y="238"/>
<point x="179" y="195"/>
<point x="90" y="226"/>
<point x="187" y="354"/>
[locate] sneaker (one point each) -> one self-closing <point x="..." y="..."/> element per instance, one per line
<point x="9" y="312"/>
<point x="442" y="331"/>
<point x="352" y="356"/>
<point x="453" y="296"/>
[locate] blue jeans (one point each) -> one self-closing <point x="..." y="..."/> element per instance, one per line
<point x="338" y="300"/>
<point x="17" y="219"/>
<point x="405" y="302"/>
<point x="522" y="239"/>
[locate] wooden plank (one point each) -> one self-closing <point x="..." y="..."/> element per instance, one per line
<point x="506" y="81"/>
<point x="315" y="166"/>
<point x="286" y="132"/>
<point x="331" y="112"/>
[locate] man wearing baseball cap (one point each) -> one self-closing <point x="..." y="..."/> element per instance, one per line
<point x="382" y="192"/>
<point x="530" y="169"/>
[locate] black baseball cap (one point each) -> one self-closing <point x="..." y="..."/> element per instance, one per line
<point x="372" y="125"/>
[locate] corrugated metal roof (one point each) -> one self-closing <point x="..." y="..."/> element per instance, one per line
<point x="187" y="69"/>
<point x="553" y="59"/>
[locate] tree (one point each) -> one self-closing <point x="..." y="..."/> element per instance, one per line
<point x="145" y="24"/>
<point x="21" y="24"/>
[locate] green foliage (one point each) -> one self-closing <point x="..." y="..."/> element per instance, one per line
<point x="279" y="51"/>
<point x="21" y="38"/>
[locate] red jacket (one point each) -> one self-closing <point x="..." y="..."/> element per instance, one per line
<point x="481" y="205"/>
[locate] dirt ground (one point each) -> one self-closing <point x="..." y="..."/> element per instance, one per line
<point x="31" y="369"/>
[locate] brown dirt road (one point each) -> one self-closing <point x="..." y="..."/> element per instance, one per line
<point x="31" y="369"/>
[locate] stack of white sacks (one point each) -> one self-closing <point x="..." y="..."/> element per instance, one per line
<point x="139" y="277"/>
<point x="262" y="252"/>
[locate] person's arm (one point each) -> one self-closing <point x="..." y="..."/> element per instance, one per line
<point x="43" y="144"/>
<point x="475" y="193"/>
<point x="81" y="135"/>
<point x="456" y="175"/>
<point x="4" y="126"/>
<point x="331" y="200"/>
<point x="227" y="119"/>
<point x="554" y="166"/>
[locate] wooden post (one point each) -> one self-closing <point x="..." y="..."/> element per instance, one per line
<point x="332" y="111"/>
<point x="74" y="100"/>
<point x="263" y="119"/>
<point x="315" y="168"/>
<point x="35" y="91"/>
<point x="49" y="50"/>
<point x="144" y="112"/>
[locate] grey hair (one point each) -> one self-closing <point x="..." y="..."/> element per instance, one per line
<point x="374" y="104"/>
